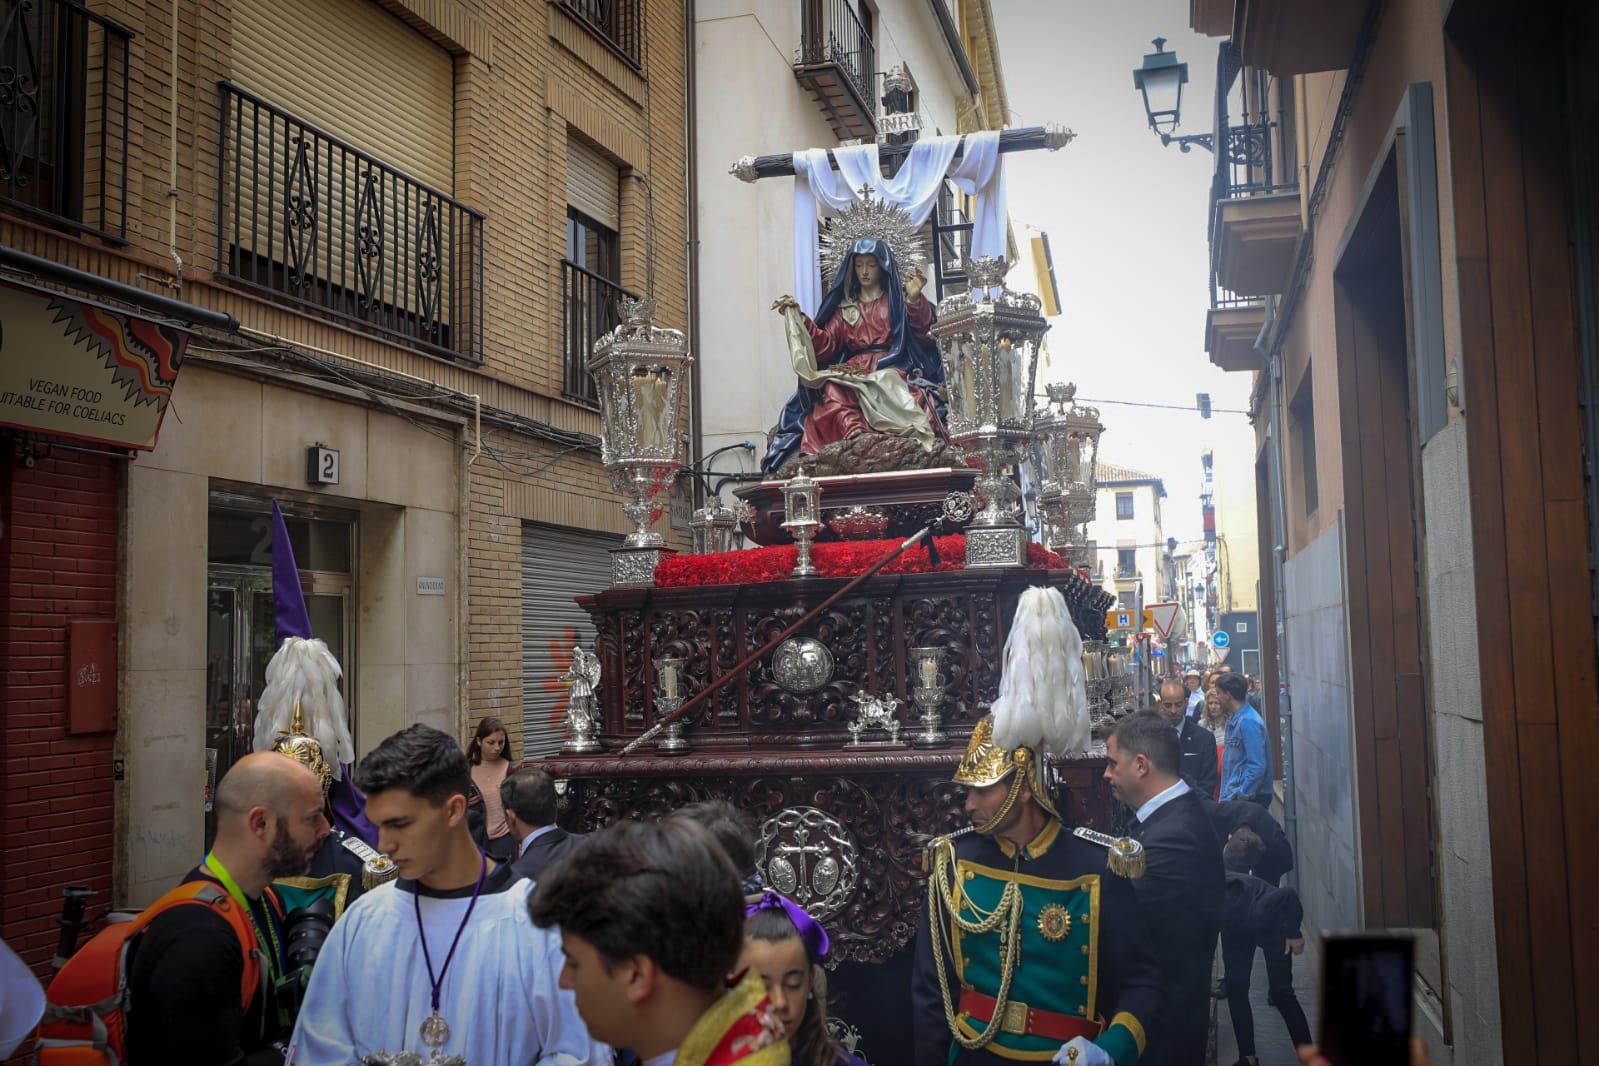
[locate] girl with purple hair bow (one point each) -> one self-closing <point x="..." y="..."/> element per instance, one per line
<point x="785" y="946"/>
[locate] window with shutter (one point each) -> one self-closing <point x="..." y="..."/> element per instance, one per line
<point x="338" y="163"/>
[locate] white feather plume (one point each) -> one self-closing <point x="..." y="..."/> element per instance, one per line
<point x="1043" y="692"/>
<point x="305" y="672"/>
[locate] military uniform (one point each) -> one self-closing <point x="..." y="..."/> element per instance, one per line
<point x="342" y="868"/>
<point x="1045" y="936"/>
<point x="344" y="865"/>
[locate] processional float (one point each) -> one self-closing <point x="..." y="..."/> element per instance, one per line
<point x="826" y="678"/>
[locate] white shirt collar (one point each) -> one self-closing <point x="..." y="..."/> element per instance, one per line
<point x="1160" y="799"/>
<point x="540" y="831"/>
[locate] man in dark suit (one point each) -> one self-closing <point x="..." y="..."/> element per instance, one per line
<point x="1196" y="745"/>
<point x="530" y="805"/>
<point x="1226" y="818"/>
<point x="1183" y="889"/>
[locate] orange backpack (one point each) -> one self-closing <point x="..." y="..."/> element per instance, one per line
<point x="86" y="1006"/>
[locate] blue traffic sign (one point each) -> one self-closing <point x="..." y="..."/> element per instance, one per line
<point x="1220" y="639"/>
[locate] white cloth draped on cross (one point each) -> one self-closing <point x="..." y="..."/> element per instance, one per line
<point x="821" y="192"/>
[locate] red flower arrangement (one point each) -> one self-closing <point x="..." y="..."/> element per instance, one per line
<point x="842" y="558"/>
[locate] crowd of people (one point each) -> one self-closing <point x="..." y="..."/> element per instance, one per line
<point x="507" y="939"/>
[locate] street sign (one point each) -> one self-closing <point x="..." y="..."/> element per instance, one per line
<point x="1161" y="617"/>
<point x="1122" y="619"/>
<point x="1220" y="654"/>
<point x="1220" y="639"/>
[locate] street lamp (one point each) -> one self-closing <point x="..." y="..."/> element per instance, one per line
<point x="1161" y="80"/>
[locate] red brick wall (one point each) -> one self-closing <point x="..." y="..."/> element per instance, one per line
<point x="58" y="561"/>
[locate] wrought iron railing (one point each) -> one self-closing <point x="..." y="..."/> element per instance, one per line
<point x="618" y="22"/>
<point x="1250" y="158"/>
<point x="64" y="114"/>
<point x="1222" y="297"/>
<point x="591" y="308"/>
<point x="832" y="32"/>
<point x="308" y="217"/>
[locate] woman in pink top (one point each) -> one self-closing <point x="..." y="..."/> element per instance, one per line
<point x="490" y="756"/>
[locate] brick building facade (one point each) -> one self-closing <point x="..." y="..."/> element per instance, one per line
<point x="423" y="319"/>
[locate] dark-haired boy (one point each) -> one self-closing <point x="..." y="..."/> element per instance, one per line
<point x="444" y="959"/>
<point x="734" y="832"/>
<point x="652" y="921"/>
<point x="1258" y="915"/>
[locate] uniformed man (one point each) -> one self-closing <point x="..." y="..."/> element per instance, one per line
<point x="345" y="865"/>
<point x="1031" y="946"/>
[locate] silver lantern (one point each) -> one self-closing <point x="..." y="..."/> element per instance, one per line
<point x="1065" y="457"/>
<point x="638" y="371"/>
<point x="713" y="527"/>
<point x="988" y="339"/>
<point x="802" y="516"/>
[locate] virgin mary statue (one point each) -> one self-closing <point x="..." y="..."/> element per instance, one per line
<point x="865" y="363"/>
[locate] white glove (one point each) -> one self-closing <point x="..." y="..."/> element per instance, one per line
<point x="1088" y="1053"/>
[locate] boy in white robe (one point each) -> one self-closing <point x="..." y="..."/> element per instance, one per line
<point x="445" y="959"/>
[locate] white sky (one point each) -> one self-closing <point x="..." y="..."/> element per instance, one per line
<point x="1126" y="220"/>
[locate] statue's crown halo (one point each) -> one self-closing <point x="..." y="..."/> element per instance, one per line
<point x="872" y="219"/>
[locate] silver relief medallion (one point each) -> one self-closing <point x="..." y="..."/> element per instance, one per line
<point x="801" y="665"/>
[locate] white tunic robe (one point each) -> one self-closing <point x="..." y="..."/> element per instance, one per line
<point x="369" y="991"/>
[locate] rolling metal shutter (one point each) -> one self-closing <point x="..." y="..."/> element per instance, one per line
<point x="593" y="184"/>
<point x="558" y="565"/>
<point x="352" y="69"/>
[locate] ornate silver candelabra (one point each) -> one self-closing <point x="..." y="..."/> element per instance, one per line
<point x="669" y="673"/>
<point x="928" y="693"/>
<point x="638" y="372"/>
<point x="801" y="517"/>
<point x="988" y="339"/>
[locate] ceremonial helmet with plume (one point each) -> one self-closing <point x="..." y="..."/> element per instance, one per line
<point x="1042" y="705"/>
<point x="301" y="710"/>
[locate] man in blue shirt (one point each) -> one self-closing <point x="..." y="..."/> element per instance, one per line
<point x="1246" y="762"/>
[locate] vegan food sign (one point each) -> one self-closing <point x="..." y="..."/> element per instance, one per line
<point x="83" y="370"/>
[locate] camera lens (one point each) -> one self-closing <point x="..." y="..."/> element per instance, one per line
<point x="305" y="930"/>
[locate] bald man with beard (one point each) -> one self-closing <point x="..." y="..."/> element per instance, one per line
<point x="187" y="965"/>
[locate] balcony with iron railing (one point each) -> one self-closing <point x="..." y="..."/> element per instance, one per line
<point x="1232" y="326"/>
<point x="64" y="116"/>
<point x="591" y="307"/>
<point x="837" y="64"/>
<point x="306" y="218"/>
<point x="1255" y="219"/>
<point x="618" y="23"/>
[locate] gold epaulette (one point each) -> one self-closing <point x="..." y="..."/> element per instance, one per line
<point x="1126" y="858"/>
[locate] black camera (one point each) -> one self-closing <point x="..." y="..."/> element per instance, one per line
<point x="305" y="930"/>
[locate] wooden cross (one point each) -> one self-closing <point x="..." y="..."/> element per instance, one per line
<point x="1052" y="138"/>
